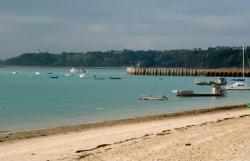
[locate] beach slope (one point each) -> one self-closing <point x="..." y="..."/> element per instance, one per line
<point x="209" y="135"/>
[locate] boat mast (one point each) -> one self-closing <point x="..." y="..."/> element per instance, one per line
<point x="243" y="64"/>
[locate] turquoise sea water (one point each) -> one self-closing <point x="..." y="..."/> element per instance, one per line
<point x="29" y="101"/>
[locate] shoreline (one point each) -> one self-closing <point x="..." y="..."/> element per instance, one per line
<point x="62" y="67"/>
<point x="34" y="133"/>
<point x="220" y="133"/>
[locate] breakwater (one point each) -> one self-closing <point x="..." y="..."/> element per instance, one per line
<point x="222" y="72"/>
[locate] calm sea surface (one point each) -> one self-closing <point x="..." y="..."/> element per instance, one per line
<point x="30" y="101"/>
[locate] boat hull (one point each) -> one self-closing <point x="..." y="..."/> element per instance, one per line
<point x="153" y="98"/>
<point x="115" y="78"/>
<point x="237" y="88"/>
<point x="200" y="95"/>
<point x="189" y="93"/>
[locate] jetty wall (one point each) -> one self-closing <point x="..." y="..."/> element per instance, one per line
<point x="222" y="72"/>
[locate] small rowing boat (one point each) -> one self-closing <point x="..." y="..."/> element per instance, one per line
<point x="115" y="77"/>
<point x="99" y="78"/>
<point x="54" y="77"/>
<point x="149" y="97"/>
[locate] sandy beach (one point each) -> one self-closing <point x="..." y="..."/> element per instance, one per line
<point x="209" y="134"/>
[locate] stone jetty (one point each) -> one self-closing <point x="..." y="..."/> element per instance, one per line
<point x="221" y="72"/>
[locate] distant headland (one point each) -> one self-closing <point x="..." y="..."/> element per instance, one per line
<point x="213" y="57"/>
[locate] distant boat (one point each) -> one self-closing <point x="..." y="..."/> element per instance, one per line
<point x="54" y="77"/>
<point x="115" y="77"/>
<point x="183" y="92"/>
<point x="67" y="74"/>
<point x="14" y="72"/>
<point x="37" y="73"/>
<point x="150" y="97"/>
<point x="238" y="79"/>
<point x="83" y="75"/>
<point x="203" y="82"/>
<point x="216" y="91"/>
<point x="100" y="78"/>
<point x="76" y="70"/>
<point x="239" y="84"/>
<point x="220" y="81"/>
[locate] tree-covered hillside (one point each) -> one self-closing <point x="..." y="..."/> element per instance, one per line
<point x="197" y="58"/>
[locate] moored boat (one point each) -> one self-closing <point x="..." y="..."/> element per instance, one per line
<point x="37" y="73"/>
<point x="182" y="92"/>
<point x="150" y="97"/>
<point x="203" y="82"/>
<point x="115" y="77"/>
<point x="54" y="77"/>
<point x="238" y="79"/>
<point x="76" y="70"/>
<point x="68" y="75"/>
<point x="83" y="75"/>
<point x="216" y="92"/>
<point x="221" y="81"/>
<point x="99" y="78"/>
<point x="239" y="83"/>
<point x="237" y="86"/>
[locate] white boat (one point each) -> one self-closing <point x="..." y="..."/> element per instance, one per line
<point x="239" y="85"/>
<point x="14" y="72"/>
<point x="67" y="74"/>
<point x="83" y="75"/>
<point x="75" y="70"/>
<point x="37" y="73"/>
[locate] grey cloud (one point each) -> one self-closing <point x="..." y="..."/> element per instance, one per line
<point x="81" y="25"/>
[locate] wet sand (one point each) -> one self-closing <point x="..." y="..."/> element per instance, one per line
<point x="209" y="134"/>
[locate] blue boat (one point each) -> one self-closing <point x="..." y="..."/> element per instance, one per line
<point x="238" y="79"/>
<point x="54" y="77"/>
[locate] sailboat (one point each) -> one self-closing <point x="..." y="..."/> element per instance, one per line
<point x="239" y="84"/>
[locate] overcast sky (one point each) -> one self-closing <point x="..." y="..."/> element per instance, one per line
<point x="84" y="25"/>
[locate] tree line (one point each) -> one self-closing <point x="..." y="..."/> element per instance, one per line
<point x="218" y="57"/>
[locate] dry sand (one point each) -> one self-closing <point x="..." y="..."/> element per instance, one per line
<point x="222" y="134"/>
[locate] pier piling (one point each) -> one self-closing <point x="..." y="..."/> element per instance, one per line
<point x="224" y="72"/>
